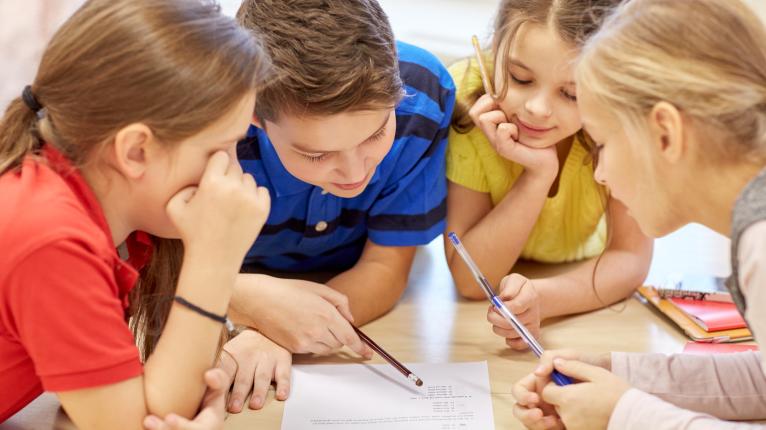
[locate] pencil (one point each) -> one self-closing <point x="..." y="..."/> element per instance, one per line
<point x="394" y="362"/>
<point x="482" y="69"/>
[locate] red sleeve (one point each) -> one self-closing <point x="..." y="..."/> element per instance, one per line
<point x="65" y="309"/>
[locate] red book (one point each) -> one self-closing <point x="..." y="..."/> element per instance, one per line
<point x="711" y="316"/>
<point x="717" y="348"/>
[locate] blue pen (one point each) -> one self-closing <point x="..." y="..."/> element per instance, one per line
<point x="559" y="378"/>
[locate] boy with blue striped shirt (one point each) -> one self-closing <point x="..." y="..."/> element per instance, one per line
<point x="350" y="140"/>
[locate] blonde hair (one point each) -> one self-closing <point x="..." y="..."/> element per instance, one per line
<point x="175" y="65"/>
<point x="706" y="57"/>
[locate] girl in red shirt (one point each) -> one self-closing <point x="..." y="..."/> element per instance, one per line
<point x="128" y="127"/>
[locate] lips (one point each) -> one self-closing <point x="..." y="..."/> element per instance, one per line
<point x="351" y="186"/>
<point x="532" y="130"/>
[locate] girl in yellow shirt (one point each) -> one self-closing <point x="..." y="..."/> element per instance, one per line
<point x="521" y="173"/>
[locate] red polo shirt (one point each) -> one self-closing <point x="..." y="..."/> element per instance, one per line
<point x="63" y="287"/>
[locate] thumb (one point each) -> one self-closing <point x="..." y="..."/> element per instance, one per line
<point x="178" y="202"/>
<point x="577" y="369"/>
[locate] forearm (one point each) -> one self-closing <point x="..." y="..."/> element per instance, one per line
<point x="372" y="288"/>
<point x="496" y="241"/>
<point x="618" y="274"/>
<point x="173" y="374"/>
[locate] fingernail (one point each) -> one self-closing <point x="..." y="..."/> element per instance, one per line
<point x="235" y="405"/>
<point x="539" y="369"/>
<point x="281" y="394"/>
<point x="256" y="402"/>
<point x="151" y="422"/>
<point x="558" y="361"/>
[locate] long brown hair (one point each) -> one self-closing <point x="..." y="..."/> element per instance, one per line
<point x="175" y="65"/>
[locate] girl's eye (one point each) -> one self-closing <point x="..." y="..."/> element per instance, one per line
<point x="569" y="96"/>
<point x="519" y="81"/>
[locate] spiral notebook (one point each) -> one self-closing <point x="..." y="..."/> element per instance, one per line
<point x="689" y="326"/>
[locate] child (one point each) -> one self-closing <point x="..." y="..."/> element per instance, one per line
<point x="520" y="174"/>
<point x="350" y="140"/>
<point x="674" y="95"/>
<point x="121" y="132"/>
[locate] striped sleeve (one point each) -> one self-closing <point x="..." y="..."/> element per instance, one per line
<point x="411" y="210"/>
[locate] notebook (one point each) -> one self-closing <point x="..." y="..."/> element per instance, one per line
<point x="717" y="348"/>
<point x="697" y="287"/>
<point x="711" y="316"/>
<point x="649" y="295"/>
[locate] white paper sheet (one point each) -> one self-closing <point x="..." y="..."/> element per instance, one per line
<point x="454" y="396"/>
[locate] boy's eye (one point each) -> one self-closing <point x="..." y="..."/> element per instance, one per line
<point x="375" y="137"/>
<point x="520" y="81"/>
<point x="314" y="158"/>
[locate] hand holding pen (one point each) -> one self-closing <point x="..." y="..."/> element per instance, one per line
<point x="558" y="378"/>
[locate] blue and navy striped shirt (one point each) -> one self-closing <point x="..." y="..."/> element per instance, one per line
<point x="403" y="205"/>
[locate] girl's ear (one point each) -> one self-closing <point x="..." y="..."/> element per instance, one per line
<point x="666" y="126"/>
<point x="132" y="150"/>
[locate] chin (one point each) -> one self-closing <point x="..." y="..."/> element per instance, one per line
<point x="537" y="143"/>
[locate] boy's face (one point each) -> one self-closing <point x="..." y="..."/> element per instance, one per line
<point x="338" y="153"/>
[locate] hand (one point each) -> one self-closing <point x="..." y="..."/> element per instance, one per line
<point x="213" y="408"/>
<point x="503" y="136"/>
<point x="257" y="362"/>
<point x="519" y="295"/>
<point x="302" y="316"/>
<point x="589" y="403"/>
<point x="222" y="216"/>
<point x="530" y="409"/>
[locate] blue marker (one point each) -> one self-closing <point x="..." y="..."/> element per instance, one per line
<point x="559" y="378"/>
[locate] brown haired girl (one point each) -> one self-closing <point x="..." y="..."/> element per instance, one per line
<point x="129" y="126"/>
<point x="521" y="177"/>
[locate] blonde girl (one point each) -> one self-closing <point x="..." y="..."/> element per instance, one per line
<point x="674" y="95"/>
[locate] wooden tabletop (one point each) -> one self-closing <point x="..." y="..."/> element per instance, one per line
<point x="432" y="325"/>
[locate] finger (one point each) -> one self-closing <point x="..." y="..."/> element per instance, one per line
<point x="243" y="383"/>
<point x="337" y="299"/>
<point x="511" y="285"/>
<point x="345" y="334"/>
<point x="522" y="301"/>
<point x="264" y="373"/>
<point x="579" y="370"/>
<point x="249" y="182"/>
<point x="228" y="364"/>
<point x="507" y="132"/>
<point x="217" y="165"/>
<point x="517" y="344"/>
<point x="483" y="104"/>
<point x="489" y="121"/>
<point x="545" y="366"/>
<point x="528" y="318"/>
<point x="282" y="375"/>
<point x="178" y="202"/>
<point x="532" y="418"/>
<point x="321" y="348"/>
<point x="153" y="422"/>
<point x="524" y="391"/>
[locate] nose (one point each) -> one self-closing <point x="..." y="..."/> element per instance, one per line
<point x="538" y="105"/>
<point x="351" y="165"/>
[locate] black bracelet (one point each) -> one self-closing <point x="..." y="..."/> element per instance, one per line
<point x="223" y="319"/>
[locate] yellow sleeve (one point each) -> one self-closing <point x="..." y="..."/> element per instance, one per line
<point x="463" y="163"/>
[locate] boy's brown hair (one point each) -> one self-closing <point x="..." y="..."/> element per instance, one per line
<point x="328" y="56"/>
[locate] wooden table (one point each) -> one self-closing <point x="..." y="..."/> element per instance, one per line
<point x="431" y="325"/>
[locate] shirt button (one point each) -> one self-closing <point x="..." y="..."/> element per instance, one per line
<point x="321" y="226"/>
<point x="324" y="192"/>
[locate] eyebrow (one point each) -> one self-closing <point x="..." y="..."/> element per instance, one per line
<point x="301" y="148"/>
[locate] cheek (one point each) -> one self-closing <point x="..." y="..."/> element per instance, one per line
<point x="569" y="118"/>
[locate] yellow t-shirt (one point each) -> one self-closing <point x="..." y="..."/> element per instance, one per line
<point x="571" y="225"/>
